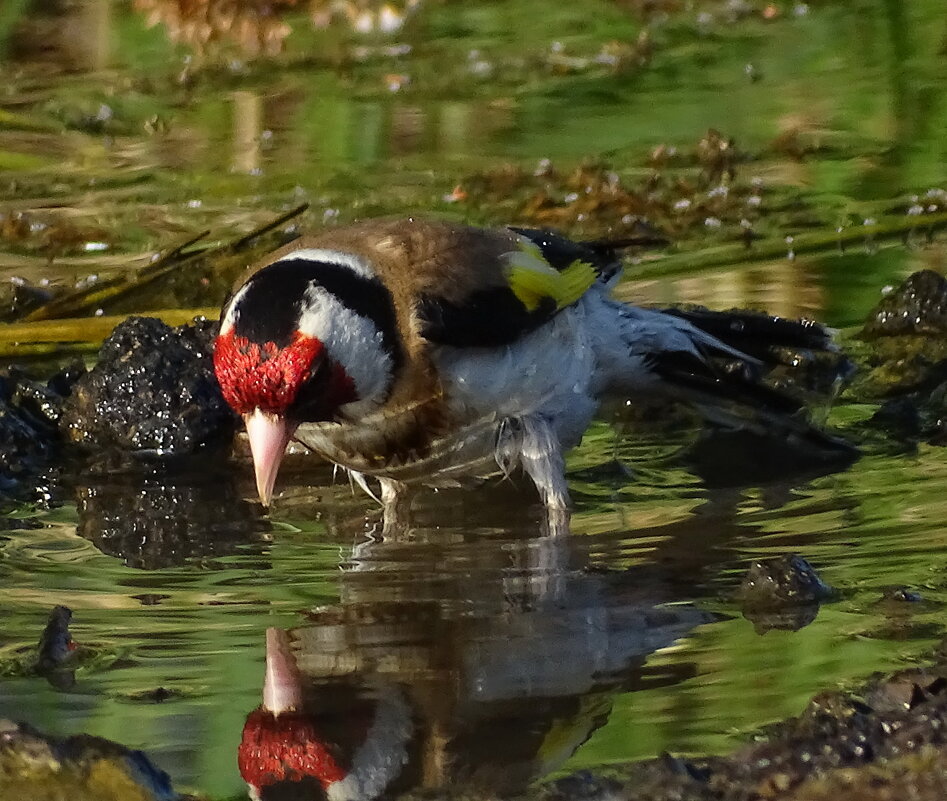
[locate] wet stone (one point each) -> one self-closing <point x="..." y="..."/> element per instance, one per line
<point x="772" y="584"/>
<point x="890" y="733"/>
<point x="902" y="595"/>
<point x="916" y="417"/>
<point x="152" y="392"/>
<point x="918" y="306"/>
<point x="56" y="646"/>
<point x="29" y="411"/>
<point x="80" y="768"/>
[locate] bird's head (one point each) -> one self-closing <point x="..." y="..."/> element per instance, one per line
<point x="297" y="343"/>
<point x="275" y="388"/>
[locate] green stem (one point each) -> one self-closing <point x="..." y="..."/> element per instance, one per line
<point x="33" y="337"/>
<point x="881" y="235"/>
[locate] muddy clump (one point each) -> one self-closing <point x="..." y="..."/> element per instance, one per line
<point x="782" y="593"/>
<point x="917" y="307"/>
<point x="907" y="336"/>
<point x="906" y="357"/>
<point x="886" y="741"/>
<point x="30" y="411"/>
<point x="80" y="768"/>
<point x="152" y="392"/>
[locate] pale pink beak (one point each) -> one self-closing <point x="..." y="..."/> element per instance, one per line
<point x="282" y="687"/>
<point x="269" y="435"/>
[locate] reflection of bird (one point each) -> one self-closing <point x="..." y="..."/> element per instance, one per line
<point x="412" y="680"/>
<point x="286" y="752"/>
<point x="421" y="351"/>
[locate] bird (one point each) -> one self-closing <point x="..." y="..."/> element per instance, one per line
<point x="420" y="351"/>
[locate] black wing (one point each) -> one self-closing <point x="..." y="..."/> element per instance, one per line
<point x="494" y="317"/>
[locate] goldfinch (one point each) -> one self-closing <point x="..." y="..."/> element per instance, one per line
<point x="419" y="352"/>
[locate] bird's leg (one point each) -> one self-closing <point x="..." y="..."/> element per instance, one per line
<point x="538" y="450"/>
<point x="556" y="522"/>
<point x="396" y="501"/>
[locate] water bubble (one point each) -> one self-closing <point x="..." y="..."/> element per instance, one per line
<point x="544" y="167"/>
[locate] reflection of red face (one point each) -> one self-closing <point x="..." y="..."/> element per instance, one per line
<point x="284" y="748"/>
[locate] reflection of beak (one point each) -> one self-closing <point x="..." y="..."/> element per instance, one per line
<point x="282" y="688"/>
<point x="269" y="435"/>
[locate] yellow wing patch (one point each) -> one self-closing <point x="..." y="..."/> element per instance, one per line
<point x="532" y="279"/>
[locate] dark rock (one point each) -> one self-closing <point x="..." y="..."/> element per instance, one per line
<point x="56" y="645"/>
<point x="22" y="447"/>
<point x="915" y="417"/>
<point x="918" y="306"/>
<point x="29" y="410"/>
<point x="63" y="382"/>
<point x="81" y="768"/>
<point x="152" y="392"/>
<point x="886" y="741"/>
<point x="903" y="595"/>
<point x="905" y="338"/>
<point x="901" y="416"/>
<point x="43" y="404"/>
<point x="773" y="584"/>
<point x="583" y="786"/>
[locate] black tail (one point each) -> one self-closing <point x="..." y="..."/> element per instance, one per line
<point x="729" y="391"/>
<point x="756" y="333"/>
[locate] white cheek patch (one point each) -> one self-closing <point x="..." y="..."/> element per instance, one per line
<point x="351" y="340"/>
<point x="324" y="256"/>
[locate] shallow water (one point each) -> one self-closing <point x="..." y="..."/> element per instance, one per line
<point x="624" y="633"/>
<point x="512" y="656"/>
